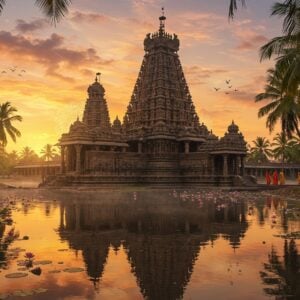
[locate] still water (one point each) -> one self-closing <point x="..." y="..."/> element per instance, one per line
<point x="154" y="244"/>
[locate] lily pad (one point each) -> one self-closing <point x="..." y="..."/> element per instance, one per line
<point x="73" y="270"/>
<point x="60" y="262"/>
<point x="42" y="262"/>
<point x="63" y="250"/>
<point x="54" y="271"/>
<point x="40" y="290"/>
<point x="22" y="269"/>
<point x="16" y="275"/>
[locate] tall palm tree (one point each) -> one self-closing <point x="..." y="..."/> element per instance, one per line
<point x="53" y="9"/>
<point x="261" y="150"/>
<point x="283" y="147"/>
<point x="28" y="155"/>
<point x="7" y="116"/>
<point x="286" y="48"/>
<point x="48" y="152"/>
<point x="284" y="106"/>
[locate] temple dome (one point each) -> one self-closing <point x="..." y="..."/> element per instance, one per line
<point x="233" y="128"/>
<point x="117" y="125"/>
<point x="77" y="126"/>
<point x="96" y="89"/>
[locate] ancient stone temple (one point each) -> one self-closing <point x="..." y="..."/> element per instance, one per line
<point x="161" y="139"/>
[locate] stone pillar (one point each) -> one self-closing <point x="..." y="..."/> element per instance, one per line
<point x="78" y="158"/>
<point x="237" y="165"/>
<point x="212" y="166"/>
<point x="62" y="164"/>
<point x="225" y="165"/>
<point x="140" y="147"/>
<point x="242" y="166"/>
<point x="186" y="147"/>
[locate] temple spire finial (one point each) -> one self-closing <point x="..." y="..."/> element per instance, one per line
<point x="162" y="19"/>
<point x="97" y="77"/>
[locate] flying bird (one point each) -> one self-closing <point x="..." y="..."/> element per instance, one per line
<point x="20" y="75"/>
<point x="227" y="93"/>
<point x="3" y="72"/>
<point x="23" y="71"/>
<point x="13" y="70"/>
<point x="230" y="86"/>
<point x="216" y="89"/>
<point x="227" y="81"/>
<point x="236" y="90"/>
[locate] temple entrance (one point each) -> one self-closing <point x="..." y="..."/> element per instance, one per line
<point x="218" y="164"/>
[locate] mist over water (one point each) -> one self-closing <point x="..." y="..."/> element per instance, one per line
<point x="150" y="244"/>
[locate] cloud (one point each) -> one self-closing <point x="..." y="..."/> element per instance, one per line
<point x="196" y="75"/>
<point x="27" y="27"/>
<point x="80" y="17"/>
<point x="249" y="38"/>
<point x="51" y="53"/>
<point x="251" y="42"/>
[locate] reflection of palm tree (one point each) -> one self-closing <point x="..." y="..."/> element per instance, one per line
<point x="7" y="116"/>
<point x="282" y="278"/>
<point x="54" y="9"/>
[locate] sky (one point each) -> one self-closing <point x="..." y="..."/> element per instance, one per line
<point x="104" y="36"/>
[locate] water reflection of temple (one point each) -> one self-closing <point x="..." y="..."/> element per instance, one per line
<point x="162" y="237"/>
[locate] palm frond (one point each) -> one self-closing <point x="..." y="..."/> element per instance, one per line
<point x="54" y="9"/>
<point x="233" y="7"/>
<point x="2" y="3"/>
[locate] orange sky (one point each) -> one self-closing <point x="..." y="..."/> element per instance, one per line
<point x="61" y="61"/>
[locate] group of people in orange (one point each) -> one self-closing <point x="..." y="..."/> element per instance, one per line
<point x="276" y="179"/>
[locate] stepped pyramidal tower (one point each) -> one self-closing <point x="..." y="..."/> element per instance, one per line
<point x="161" y="139"/>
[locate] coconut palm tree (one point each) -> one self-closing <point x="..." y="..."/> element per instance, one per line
<point x="48" y="152"/>
<point x="283" y="147"/>
<point x="261" y="150"/>
<point x="53" y="9"/>
<point x="7" y="116"/>
<point x="28" y="155"/>
<point x="286" y="48"/>
<point x="284" y="106"/>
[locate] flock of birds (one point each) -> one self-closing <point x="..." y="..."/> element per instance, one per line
<point x="229" y="86"/>
<point x="14" y="70"/>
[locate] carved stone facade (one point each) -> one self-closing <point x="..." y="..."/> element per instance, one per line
<point x="161" y="139"/>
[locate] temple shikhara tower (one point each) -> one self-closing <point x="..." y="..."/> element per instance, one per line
<point x="161" y="138"/>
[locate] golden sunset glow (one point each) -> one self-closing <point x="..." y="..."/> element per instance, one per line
<point x="60" y="62"/>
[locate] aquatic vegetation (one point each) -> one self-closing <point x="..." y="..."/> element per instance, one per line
<point x="29" y="258"/>
<point x="73" y="270"/>
<point x="16" y="275"/>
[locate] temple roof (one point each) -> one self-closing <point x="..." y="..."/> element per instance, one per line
<point x="161" y="97"/>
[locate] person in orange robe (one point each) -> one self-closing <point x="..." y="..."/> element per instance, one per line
<point x="268" y="178"/>
<point x="281" y="178"/>
<point x="298" y="177"/>
<point x="275" y="177"/>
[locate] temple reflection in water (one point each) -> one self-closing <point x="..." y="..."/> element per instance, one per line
<point x="161" y="235"/>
